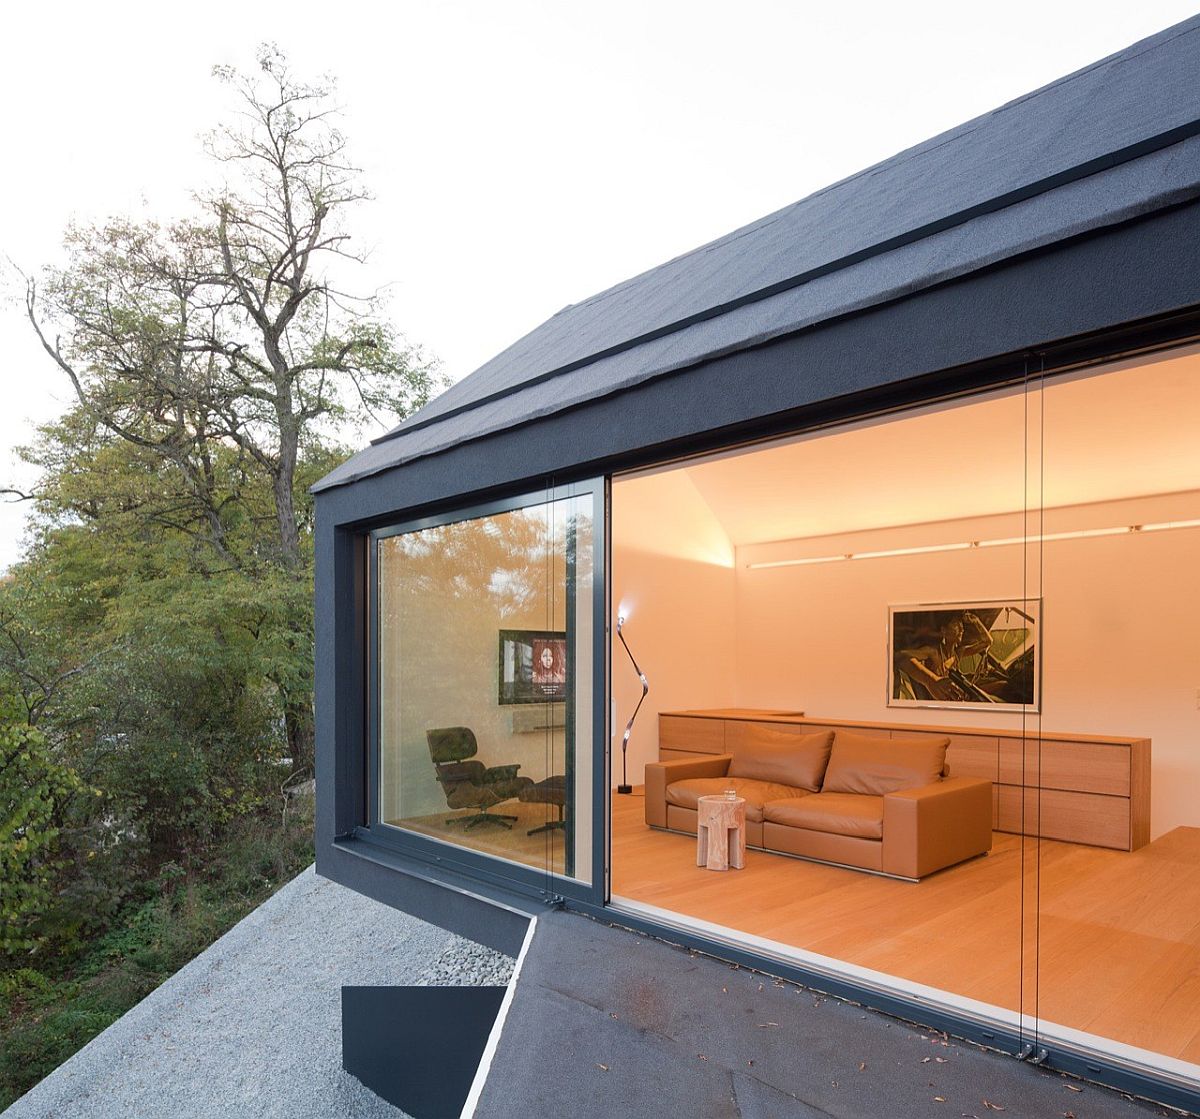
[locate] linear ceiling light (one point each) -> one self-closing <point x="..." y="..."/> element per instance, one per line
<point x="967" y="545"/>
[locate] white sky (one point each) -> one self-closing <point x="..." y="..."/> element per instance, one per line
<point x="523" y="154"/>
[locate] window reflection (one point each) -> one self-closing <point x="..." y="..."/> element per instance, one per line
<point x="485" y="683"/>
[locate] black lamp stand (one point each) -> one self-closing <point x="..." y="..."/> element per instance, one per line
<point x="625" y="786"/>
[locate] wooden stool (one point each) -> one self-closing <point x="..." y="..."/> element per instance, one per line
<point x="721" y="833"/>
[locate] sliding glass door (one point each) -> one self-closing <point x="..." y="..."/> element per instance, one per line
<point x="868" y="598"/>
<point x="1118" y="801"/>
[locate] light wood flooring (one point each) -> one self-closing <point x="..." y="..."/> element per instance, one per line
<point x="543" y="851"/>
<point x="1111" y="938"/>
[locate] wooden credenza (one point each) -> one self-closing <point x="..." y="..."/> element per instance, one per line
<point x="1079" y="788"/>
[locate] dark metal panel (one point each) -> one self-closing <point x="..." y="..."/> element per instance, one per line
<point x="339" y="618"/>
<point x="963" y="335"/>
<point x="418" y="1047"/>
<point x="495" y="916"/>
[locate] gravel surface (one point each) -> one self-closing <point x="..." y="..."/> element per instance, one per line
<point x="252" y="1026"/>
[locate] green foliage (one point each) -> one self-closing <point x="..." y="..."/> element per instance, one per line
<point x="47" y="1014"/>
<point x="34" y="790"/>
<point x="156" y="641"/>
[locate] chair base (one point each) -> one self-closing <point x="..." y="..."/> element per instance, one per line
<point x="469" y="822"/>
<point x="551" y="826"/>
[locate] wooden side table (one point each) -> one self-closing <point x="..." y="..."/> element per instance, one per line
<point x="721" y="833"/>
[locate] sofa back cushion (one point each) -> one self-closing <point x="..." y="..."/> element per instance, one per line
<point x="800" y="762"/>
<point x="876" y="766"/>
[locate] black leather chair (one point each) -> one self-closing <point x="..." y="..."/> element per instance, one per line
<point x="551" y="791"/>
<point x="471" y="784"/>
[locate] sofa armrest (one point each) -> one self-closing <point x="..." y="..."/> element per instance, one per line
<point x="660" y="774"/>
<point x="936" y="826"/>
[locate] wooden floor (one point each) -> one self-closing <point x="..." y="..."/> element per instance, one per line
<point x="1113" y="948"/>
<point x="543" y="851"/>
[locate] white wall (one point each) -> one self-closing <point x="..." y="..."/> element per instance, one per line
<point x="1121" y="628"/>
<point x="673" y="578"/>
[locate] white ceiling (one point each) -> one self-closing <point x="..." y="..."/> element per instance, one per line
<point x="1127" y="433"/>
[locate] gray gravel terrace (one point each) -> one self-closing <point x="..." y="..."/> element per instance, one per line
<point x="252" y="1026"/>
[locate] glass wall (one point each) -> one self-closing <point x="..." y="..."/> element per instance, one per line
<point x="1118" y="809"/>
<point x="485" y="666"/>
<point x="811" y="614"/>
<point x="1013" y="575"/>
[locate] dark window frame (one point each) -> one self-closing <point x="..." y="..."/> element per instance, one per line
<point x="444" y="854"/>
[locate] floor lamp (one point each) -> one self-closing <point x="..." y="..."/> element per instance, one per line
<point x="625" y="786"/>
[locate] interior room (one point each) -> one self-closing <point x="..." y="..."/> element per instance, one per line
<point x="824" y="593"/>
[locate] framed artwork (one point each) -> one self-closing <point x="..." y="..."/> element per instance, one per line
<point x="533" y="666"/>
<point x="979" y="656"/>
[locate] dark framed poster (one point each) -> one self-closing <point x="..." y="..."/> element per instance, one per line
<point x="533" y="666"/>
<point x="981" y="656"/>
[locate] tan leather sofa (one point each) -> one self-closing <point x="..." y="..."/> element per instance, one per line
<point x="877" y="804"/>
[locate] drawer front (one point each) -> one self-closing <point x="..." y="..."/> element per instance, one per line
<point x="1087" y="767"/>
<point x="1091" y="818"/>
<point x="683" y="732"/>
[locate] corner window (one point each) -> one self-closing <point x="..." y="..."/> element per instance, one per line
<point x="485" y="680"/>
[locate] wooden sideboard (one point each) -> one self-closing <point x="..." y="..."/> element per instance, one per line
<point x="1079" y="788"/>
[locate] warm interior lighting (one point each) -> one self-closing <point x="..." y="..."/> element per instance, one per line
<point x="966" y="545"/>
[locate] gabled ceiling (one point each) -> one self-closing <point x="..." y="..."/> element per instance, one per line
<point x="1128" y="433"/>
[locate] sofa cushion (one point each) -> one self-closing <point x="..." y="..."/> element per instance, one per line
<point x="835" y="813"/>
<point x="686" y="793"/>
<point x="876" y="766"/>
<point x="799" y="763"/>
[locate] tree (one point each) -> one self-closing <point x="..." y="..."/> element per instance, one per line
<point x="222" y="347"/>
<point x="33" y="789"/>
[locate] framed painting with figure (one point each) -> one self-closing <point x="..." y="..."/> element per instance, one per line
<point x="983" y="655"/>
<point x="533" y="666"/>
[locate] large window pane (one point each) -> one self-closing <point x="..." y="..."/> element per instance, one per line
<point x="485" y="683"/>
<point x="1119" y="870"/>
<point x="811" y="614"/>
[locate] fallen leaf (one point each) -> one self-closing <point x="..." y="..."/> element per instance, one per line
<point x="939" y="1099"/>
<point x="940" y="1060"/>
<point x="862" y="1066"/>
<point x="702" y="1056"/>
<point x="1068" y="1115"/>
<point x="992" y="1106"/>
<point x="1074" y="1088"/>
<point x="604" y="1067"/>
<point x="926" y="1060"/>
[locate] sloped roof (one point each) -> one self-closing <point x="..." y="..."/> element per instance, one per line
<point x="1117" y="139"/>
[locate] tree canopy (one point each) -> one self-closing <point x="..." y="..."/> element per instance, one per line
<point x="156" y="638"/>
<point x="214" y="361"/>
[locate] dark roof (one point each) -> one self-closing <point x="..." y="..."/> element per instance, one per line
<point x="1107" y="143"/>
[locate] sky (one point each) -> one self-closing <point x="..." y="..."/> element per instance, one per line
<point x="522" y="155"/>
